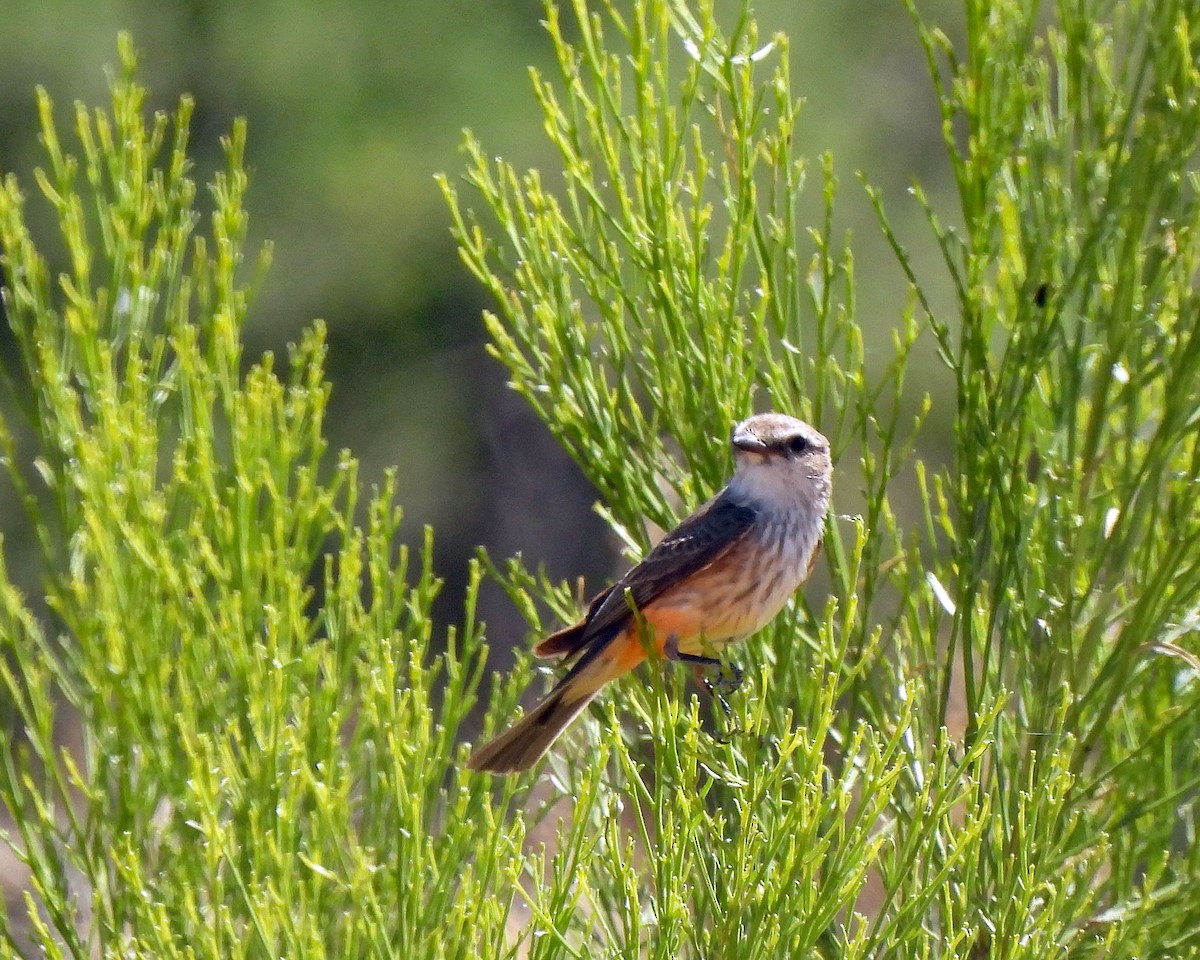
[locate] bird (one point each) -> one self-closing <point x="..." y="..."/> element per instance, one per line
<point x="723" y="574"/>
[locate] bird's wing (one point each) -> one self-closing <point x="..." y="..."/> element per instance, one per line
<point x="569" y="638"/>
<point x="701" y="539"/>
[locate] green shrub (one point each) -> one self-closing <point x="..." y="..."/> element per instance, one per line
<point x="982" y="743"/>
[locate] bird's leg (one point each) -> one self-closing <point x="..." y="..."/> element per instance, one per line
<point x="672" y="652"/>
<point x="715" y="688"/>
<point x="729" y="682"/>
<point x="725" y="682"/>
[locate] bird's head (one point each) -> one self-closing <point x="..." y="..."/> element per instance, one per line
<point x="781" y="462"/>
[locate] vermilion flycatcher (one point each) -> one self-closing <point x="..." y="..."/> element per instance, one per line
<point x="722" y="574"/>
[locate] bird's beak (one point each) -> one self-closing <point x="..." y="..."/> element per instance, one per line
<point x="745" y="440"/>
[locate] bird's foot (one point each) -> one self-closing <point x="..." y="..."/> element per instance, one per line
<point x="728" y="679"/>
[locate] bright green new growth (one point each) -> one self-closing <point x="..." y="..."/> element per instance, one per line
<point x="260" y="773"/>
<point x="1051" y="586"/>
<point x="267" y="771"/>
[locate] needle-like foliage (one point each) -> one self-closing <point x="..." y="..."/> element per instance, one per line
<point x="258" y="769"/>
<point x="984" y="743"/>
<point x="975" y="736"/>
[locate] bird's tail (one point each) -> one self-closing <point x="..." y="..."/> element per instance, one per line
<point x="522" y="745"/>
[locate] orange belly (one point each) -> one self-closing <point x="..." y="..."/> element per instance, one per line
<point x="726" y="601"/>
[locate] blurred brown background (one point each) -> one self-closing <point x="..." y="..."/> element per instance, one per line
<point x="352" y="108"/>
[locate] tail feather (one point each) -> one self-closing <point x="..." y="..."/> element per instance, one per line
<point x="523" y="744"/>
<point x="601" y="659"/>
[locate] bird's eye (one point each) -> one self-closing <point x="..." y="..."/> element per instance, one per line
<point x="797" y="445"/>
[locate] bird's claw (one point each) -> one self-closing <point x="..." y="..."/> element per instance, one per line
<point x="716" y="687"/>
<point x="720" y="685"/>
<point x="728" y="679"/>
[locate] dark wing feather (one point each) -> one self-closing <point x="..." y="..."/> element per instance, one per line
<point x="701" y="539"/>
<point x="569" y="638"/>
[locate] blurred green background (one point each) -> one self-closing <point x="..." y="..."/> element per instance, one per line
<point x="352" y="108"/>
